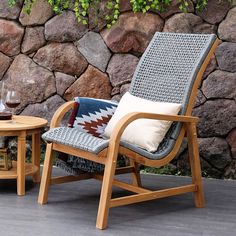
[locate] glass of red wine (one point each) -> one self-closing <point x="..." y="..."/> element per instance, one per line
<point x="12" y="100"/>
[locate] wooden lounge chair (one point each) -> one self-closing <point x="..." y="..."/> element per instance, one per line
<point x="170" y="70"/>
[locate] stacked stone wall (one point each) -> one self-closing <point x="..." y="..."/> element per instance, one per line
<point x="51" y="58"/>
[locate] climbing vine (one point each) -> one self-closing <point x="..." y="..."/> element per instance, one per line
<point x="81" y="7"/>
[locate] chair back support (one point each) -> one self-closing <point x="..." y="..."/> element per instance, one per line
<point x="169" y="66"/>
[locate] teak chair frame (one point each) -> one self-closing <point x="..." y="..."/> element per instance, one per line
<point x="108" y="157"/>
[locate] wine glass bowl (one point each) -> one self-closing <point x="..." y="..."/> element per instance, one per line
<point x="5" y="114"/>
<point x="12" y="99"/>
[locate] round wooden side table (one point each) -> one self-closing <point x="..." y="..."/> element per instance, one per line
<point x="21" y="126"/>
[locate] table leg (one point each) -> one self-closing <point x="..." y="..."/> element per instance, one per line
<point x="21" y="152"/>
<point x="36" y="155"/>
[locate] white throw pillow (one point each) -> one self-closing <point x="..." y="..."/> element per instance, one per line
<point x="144" y="133"/>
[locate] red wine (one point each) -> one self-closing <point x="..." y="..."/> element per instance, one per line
<point x="12" y="104"/>
<point x="5" y="116"/>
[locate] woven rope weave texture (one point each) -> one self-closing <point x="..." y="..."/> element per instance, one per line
<point x="75" y="138"/>
<point x="168" y="66"/>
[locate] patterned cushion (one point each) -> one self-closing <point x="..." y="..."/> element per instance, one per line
<point x="93" y="115"/>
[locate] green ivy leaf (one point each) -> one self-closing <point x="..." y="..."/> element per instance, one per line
<point x="84" y="22"/>
<point x="81" y="7"/>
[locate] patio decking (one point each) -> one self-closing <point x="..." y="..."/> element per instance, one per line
<point x="72" y="210"/>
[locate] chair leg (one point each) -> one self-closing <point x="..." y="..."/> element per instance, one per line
<point x="195" y="165"/>
<point x="106" y="191"/>
<point x="46" y="176"/>
<point x="136" y="174"/>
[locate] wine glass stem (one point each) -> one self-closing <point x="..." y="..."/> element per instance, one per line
<point x="13" y="114"/>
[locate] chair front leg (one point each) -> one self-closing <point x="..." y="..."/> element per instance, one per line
<point x="106" y="191"/>
<point x="195" y="165"/>
<point x="46" y="176"/>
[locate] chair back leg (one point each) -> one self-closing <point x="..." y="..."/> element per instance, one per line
<point x="46" y="176"/>
<point x="135" y="174"/>
<point x="195" y="165"/>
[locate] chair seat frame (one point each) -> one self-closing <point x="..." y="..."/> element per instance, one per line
<point x="108" y="157"/>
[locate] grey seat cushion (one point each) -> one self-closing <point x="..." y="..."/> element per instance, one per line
<point x="164" y="149"/>
<point x="87" y="142"/>
<point x="76" y="138"/>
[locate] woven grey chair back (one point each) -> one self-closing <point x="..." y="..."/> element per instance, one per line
<point x="168" y="68"/>
<point x="166" y="72"/>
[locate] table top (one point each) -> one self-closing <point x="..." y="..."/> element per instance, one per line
<point x="22" y="123"/>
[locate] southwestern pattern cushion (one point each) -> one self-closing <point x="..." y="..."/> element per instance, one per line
<point x="93" y="115"/>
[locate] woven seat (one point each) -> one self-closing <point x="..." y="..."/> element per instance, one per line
<point x="87" y="142"/>
<point x="76" y="139"/>
<point x="170" y="71"/>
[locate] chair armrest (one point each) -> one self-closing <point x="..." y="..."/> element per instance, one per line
<point x="126" y="120"/>
<point x="60" y="113"/>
